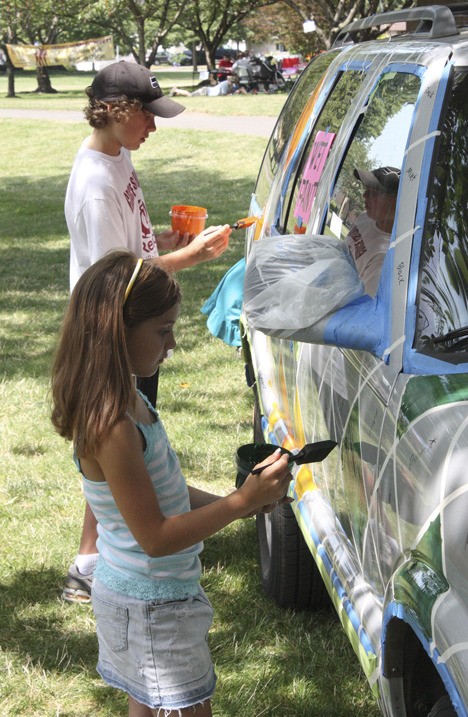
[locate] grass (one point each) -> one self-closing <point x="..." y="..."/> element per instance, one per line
<point x="70" y="93"/>
<point x="269" y="662"/>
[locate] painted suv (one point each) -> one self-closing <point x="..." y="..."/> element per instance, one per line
<point x="381" y="526"/>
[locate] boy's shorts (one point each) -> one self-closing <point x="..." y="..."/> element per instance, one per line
<point x="155" y="651"/>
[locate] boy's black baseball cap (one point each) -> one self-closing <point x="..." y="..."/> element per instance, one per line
<point x="135" y="82"/>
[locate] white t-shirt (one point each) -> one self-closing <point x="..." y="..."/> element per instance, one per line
<point x="105" y="209"/>
<point x="368" y="246"/>
<point x="222" y="88"/>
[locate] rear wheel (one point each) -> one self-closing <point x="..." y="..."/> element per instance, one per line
<point x="288" y="571"/>
<point x="443" y="708"/>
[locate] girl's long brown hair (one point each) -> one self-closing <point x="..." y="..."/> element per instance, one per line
<point x="92" y="382"/>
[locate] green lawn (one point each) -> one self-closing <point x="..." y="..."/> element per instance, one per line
<point x="269" y="662"/>
<point x="70" y="95"/>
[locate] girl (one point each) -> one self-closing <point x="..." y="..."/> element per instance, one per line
<point x="152" y="616"/>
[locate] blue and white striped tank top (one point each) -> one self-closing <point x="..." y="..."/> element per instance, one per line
<point x="123" y="566"/>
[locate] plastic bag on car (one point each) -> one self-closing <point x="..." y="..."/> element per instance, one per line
<point x="293" y="282"/>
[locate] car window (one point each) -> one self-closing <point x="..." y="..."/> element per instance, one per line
<point x="379" y="142"/>
<point x="443" y="281"/>
<point x="298" y="204"/>
<point x="302" y="94"/>
<point x="364" y="200"/>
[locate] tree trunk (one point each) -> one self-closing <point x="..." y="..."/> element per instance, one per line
<point x="141" y="42"/>
<point x="43" y="81"/>
<point x="210" y="57"/>
<point x="10" y="72"/>
<point x="194" y="56"/>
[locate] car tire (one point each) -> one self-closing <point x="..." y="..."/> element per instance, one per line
<point x="288" y="571"/>
<point x="442" y="708"/>
<point x="289" y="574"/>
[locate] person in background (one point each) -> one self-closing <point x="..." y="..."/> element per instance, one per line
<point x="228" y="86"/>
<point x="105" y="209"/>
<point x="225" y="64"/>
<point x="369" y="237"/>
<point x="243" y="69"/>
<point x="152" y="616"/>
<point x="268" y="72"/>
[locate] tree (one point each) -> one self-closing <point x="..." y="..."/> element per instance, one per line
<point x="141" y="26"/>
<point x="212" y="20"/>
<point x="331" y="17"/>
<point x="283" y="25"/>
<point x="40" y="25"/>
<point x="8" y="36"/>
<point x="36" y="22"/>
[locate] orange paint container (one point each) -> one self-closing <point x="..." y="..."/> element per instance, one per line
<point x="188" y="219"/>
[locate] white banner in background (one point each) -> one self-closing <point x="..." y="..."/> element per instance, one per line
<point x="31" y="56"/>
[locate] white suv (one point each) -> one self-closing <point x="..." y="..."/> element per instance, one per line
<point x="381" y="526"/>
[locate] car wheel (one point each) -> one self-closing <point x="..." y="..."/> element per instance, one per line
<point x="288" y="571"/>
<point x="442" y="708"/>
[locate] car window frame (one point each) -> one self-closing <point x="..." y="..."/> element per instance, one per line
<point x="413" y="360"/>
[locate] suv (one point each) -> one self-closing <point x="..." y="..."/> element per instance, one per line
<point x="377" y="528"/>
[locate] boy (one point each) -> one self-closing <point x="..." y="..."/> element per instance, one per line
<point x="105" y="209"/>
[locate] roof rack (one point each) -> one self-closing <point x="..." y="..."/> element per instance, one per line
<point x="435" y="21"/>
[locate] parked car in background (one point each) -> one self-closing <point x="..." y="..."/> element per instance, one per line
<point x="225" y="52"/>
<point x="186" y="58"/>
<point x="162" y="58"/>
<point x="380" y="528"/>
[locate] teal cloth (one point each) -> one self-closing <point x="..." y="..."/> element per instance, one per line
<point x="224" y="306"/>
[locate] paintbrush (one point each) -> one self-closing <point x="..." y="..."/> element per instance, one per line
<point x="244" y="223"/>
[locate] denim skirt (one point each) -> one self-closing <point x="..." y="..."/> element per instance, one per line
<point x="155" y="651"/>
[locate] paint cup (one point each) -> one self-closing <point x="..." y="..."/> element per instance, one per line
<point x="248" y="455"/>
<point x="188" y="219"/>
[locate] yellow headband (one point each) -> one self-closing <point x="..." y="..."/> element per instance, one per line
<point x="133" y="279"/>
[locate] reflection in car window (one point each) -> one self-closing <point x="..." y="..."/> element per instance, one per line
<point x="287" y="121"/>
<point x="379" y="141"/>
<point x="443" y="298"/>
<point x="362" y="208"/>
<point x="329" y="123"/>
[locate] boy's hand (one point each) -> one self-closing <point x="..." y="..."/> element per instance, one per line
<point x="210" y="243"/>
<point x="170" y="240"/>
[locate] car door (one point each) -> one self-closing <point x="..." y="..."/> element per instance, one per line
<point x="345" y="392"/>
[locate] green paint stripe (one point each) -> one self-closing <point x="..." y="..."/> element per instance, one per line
<point x="425" y="392"/>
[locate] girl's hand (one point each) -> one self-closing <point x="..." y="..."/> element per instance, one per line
<point x="270" y="507"/>
<point x="287" y="500"/>
<point x="265" y="489"/>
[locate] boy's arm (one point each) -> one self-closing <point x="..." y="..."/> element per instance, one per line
<point x="208" y="245"/>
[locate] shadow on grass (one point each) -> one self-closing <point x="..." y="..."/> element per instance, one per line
<point x="278" y="662"/>
<point x="293" y="664"/>
<point x="51" y="637"/>
<point x="33" y="626"/>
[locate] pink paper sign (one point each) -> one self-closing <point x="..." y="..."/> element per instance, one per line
<point x="312" y="173"/>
